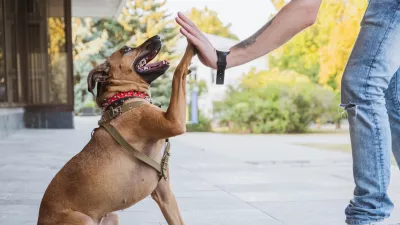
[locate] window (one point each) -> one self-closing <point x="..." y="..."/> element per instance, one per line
<point x="47" y="52"/>
<point x="35" y="62"/>
<point x="3" y="93"/>
<point x="10" y="87"/>
<point x="11" y="46"/>
<point x="57" y="51"/>
<point x="37" y="52"/>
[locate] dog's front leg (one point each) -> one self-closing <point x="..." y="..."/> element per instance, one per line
<point x="166" y="200"/>
<point x="173" y="121"/>
<point x="177" y="107"/>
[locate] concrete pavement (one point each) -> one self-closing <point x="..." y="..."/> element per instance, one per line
<point x="218" y="179"/>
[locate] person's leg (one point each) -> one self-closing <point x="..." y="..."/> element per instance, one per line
<point x="373" y="61"/>
<point x="393" y="107"/>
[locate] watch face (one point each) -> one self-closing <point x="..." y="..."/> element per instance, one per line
<point x="221" y="57"/>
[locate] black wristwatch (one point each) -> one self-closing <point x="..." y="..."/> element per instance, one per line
<point x="221" y="66"/>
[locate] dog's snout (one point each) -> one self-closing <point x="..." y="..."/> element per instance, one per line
<point x="155" y="38"/>
<point x="151" y="42"/>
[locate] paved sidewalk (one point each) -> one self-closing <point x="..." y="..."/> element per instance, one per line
<point x="218" y="179"/>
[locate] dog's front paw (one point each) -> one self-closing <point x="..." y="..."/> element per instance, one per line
<point x="191" y="49"/>
<point x="195" y="51"/>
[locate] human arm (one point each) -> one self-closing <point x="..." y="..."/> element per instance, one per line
<point x="289" y="21"/>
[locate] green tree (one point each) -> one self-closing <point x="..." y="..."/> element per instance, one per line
<point x="95" y="39"/>
<point x="207" y="20"/>
<point x="86" y="55"/>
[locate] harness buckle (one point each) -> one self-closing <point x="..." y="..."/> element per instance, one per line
<point x="147" y="98"/>
<point x="114" y="112"/>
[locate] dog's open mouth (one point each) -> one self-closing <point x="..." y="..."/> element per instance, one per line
<point x="143" y="65"/>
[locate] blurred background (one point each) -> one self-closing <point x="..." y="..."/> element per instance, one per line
<point x="48" y="47"/>
<point x="271" y="146"/>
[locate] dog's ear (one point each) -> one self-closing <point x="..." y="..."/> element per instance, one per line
<point x="97" y="74"/>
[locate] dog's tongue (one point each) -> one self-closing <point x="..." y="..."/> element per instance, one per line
<point x="143" y="66"/>
<point x="155" y="65"/>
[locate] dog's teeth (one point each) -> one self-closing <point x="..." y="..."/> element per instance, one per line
<point x="143" y="62"/>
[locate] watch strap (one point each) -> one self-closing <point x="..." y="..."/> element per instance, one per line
<point x="221" y="66"/>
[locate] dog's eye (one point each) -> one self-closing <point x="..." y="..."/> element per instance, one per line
<point x="127" y="49"/>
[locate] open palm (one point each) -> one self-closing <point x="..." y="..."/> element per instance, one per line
<point x="206" y="51"/>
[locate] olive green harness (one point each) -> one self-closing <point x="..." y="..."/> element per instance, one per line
<point x="105" y="122"/>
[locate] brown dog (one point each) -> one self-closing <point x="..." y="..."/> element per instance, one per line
<point x="102" y="178"/>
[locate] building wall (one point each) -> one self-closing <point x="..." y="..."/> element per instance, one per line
<point x="11" y="119"/>
<point x="36" y="64"/>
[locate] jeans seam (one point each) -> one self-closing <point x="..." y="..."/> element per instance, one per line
<point x="379" y="50"/>
<point x="394" y="92"/>
<point x="377" y="130"/>
<point x="380" y="157"/>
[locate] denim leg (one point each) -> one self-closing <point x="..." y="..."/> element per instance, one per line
<point x="373" y="61"/>
<point x="393" y="107"/>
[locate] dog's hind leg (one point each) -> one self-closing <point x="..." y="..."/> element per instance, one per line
<point x="67" y="217"/>
<point x="167" y="202"/>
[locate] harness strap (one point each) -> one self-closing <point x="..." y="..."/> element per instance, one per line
<point x="165" y="160"/>
<point x="111" y="114"/>
<point x="161" y="168"/>
<point x="114" y="112"/>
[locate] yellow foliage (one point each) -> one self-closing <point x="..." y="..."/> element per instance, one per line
<point x="321" y="51"/>
<point x="334" y="55"/>
<point x="207" y="20"/>
<point x="278" y="3"/>
<point x="56" y="37"/>
<point x="259" y="79"/>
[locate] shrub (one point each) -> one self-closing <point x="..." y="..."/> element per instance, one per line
<point x="90" y="104"/>
<point x="273" y="102"/>
<point x="203" y="125"/>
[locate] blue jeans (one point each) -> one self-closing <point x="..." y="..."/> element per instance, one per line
<point x="371" y="97"/>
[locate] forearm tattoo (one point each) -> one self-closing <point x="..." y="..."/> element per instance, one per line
<point x="252" y="39"/>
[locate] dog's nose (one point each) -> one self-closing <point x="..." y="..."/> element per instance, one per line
<point x="157" y="37"/>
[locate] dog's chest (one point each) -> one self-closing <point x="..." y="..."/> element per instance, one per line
<point x="156" y="150"/>
<point x="162" y="148"/>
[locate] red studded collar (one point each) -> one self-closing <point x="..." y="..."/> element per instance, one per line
<point x="119" y="98"/>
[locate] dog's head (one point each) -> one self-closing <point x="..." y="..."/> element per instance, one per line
<point x="128" y="69"/>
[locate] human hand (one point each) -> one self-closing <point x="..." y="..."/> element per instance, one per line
<point x="206" y="51"/>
